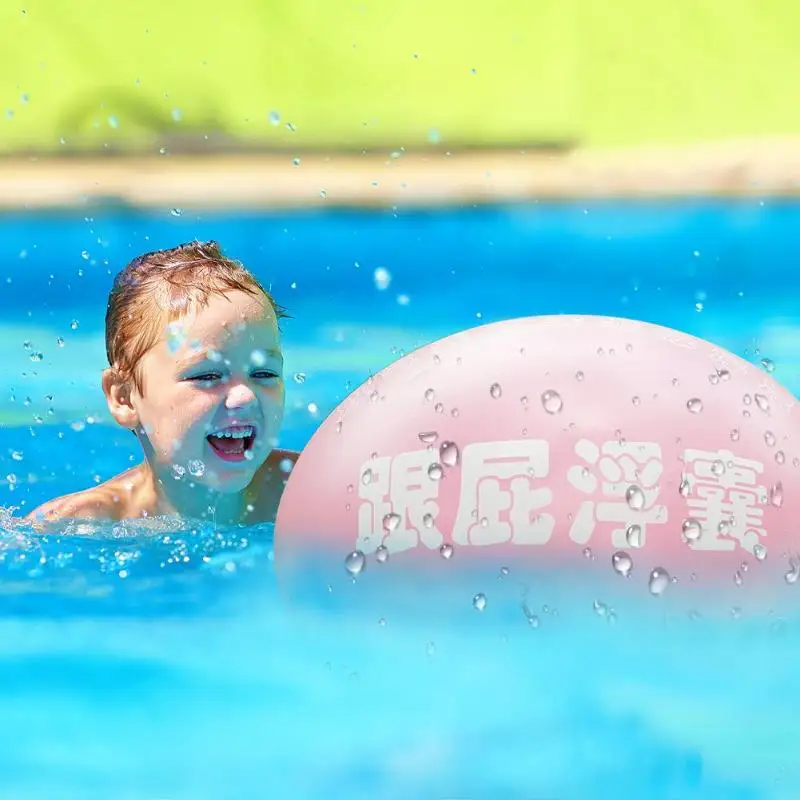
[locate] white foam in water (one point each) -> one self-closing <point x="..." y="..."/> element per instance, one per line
<point x="190" y="677"/>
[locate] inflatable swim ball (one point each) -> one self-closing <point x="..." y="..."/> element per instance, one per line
<point x="551" y="446"/>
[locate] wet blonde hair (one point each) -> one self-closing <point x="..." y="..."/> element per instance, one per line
<point x="160" y="287"/>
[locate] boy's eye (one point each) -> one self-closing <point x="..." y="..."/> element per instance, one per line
<point x="205" y="377"/>
<point x="263" y="375"/>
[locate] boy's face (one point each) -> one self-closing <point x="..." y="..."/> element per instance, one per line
<point x="213" y="392"/>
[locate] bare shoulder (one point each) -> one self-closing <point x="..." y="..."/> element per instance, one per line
<point x="270" y="480"/>
<point x="108" y="501"/>
<point x="88" y="504"/>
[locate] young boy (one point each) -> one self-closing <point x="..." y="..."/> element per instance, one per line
<point x="196" y="373"/>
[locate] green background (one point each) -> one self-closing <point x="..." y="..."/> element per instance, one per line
<point x="386" y="74"/>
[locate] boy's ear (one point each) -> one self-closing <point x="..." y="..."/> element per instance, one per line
<point x="118" y="397"/>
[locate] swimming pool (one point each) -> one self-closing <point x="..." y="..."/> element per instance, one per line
<point x="168" y="668"/>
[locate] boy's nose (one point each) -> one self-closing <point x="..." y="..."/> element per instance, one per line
<point x="239" y="395"/>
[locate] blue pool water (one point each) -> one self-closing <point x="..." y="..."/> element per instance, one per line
<point x="142" y="665"/>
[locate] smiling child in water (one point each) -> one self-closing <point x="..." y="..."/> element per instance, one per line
<point x="196" y="372"/>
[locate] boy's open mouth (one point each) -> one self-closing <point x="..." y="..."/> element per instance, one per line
<point x="232" y="442"/>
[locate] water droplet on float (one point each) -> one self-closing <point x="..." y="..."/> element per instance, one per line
<point x="762" y="402"/>
<point x="381" y="554"/>
<point x="691" y="529"/>
<point x="659" y="580"/>
<point x="448" y="454"/>
<point x="495" y="390"/>
<point x="633" y="536"/>
<point x="768" y="364"/>
<point x="600" y="608"/>
<point x="588" y="554"/>
<point x="738" y="579"/>
<point x="435" y="472"/>
<point x="635" y="498"/>
<point x="427" y="520"/>
<point x="479" y="601"/>
<point x="446" y="551"/>
<point x="622" y="564"/>
<point x="717" y="468"/>
<point x="552" y="402"/>
<point x="760" y="552"/>
<point x="793" y="573"/>
<point x="776" y="495"/>
<point x="354" y="562"/>
<point x="695" y="405"/>
<point x="428" y="437"/>
<point x="579" y="376"/>
<point x="391" y="521"/>
<point x="684" y="488"/>
<point x="429" y="395"/>
<point x="735" y="435"/>
<point x="366" y="477"/>
<point x="769" y="438"/>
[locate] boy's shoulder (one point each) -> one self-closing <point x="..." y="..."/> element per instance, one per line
<point x="108" y="501"/>
<point x="270" y="481"/>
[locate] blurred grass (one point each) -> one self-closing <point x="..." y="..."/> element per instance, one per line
<point x="381" y="74"/>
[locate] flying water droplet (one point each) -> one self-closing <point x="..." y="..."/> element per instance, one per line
<point x="196" y="468"/>
<point x="381" y="554"/>
<point x="635" y="498"/>
<point x="659" y="580"/>
<point x="768" y="364"/>
<point x="479" y="601"/>
<point x="354" y="562"/>
<point x="448" y="454"/>
<point x="695" y="405"/>
<point x="176" y="212"/>
<point x="552" y="402"/>
<point x="299" y="377"/>
<point x="495" y="390"/>
<point x="622" y="564"/>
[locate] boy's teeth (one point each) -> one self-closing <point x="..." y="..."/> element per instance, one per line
<point x="234" y="433"/>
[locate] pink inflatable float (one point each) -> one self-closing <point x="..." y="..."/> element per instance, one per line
<point x="541" y="442"/>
